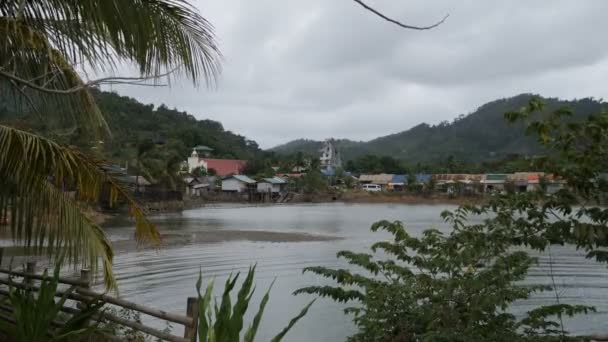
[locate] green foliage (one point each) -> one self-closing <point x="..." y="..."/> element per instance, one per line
<point x="224" y="322"/>
<point x="371" y="163"/>
<point x="123" y="332"/>
<point x="36" y="311"/>
<point x="438" y="287"/>
<point x="134" y="124"/>
<point x="459" y="286"/>
<point x="312" y="182"/>
<point x="199" y="172"/>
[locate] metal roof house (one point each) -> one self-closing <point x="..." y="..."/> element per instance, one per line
<point x="400" y="181"/>
<point x="272" y="185"/>
<point x="238" y="183"/>
<point x="379" y="179"/>
<point x="494" y="181"/>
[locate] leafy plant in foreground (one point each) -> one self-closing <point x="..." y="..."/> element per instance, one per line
<point x="36" y="313"/>
<point x="223" y="322"/>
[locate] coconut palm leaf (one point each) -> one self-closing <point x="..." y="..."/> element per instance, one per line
<point x="35" y="175"/>
<point x="46" y="41"/>
<point x="155" y="34"/>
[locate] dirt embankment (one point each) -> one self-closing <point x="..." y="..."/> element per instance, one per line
<point x="387" y="197"/>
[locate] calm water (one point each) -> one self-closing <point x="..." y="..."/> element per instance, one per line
<point x="164" y="278"/>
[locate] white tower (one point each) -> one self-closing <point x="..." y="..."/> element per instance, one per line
<point x="330" y="156"/>
<point x="193" y="161"/>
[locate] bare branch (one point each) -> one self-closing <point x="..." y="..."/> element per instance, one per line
<point x="398" y="23"/>
<point x="105" y="80"/>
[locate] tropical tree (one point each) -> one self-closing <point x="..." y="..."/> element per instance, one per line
<point x="46" y="48"/>
<point x="458" y="286"/>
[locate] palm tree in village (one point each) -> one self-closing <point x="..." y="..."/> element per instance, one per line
<point x="46" y="47"/>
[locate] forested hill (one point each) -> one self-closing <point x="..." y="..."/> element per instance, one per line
<point x="481" y="135"/>
<point x="133" y="123"/>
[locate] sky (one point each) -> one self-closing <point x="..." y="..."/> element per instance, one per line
<point x="327" y="68"/>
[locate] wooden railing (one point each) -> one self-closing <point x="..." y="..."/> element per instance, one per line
<point x="83" y="295"/>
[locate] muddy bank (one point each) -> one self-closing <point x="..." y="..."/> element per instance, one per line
<point x="406" y="198"/>
<point x="178" y="240"/>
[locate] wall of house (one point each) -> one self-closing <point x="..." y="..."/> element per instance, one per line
<point x="234" y="185"/>
<point x="265" y="187"/>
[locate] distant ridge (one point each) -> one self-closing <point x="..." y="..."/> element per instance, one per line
<point x="481" y="135"/>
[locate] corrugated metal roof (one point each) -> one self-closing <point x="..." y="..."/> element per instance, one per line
<point x="274" y="180"/>
<point x="380" y="179"/>
<point x="496" y="177"/>
<point x="399" y="179"/>
<point x="133" y="180"/>
<point x="243" y="179"/>
<point x="423" y="178"/>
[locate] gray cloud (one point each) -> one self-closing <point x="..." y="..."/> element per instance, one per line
<point x="318" y="68"/>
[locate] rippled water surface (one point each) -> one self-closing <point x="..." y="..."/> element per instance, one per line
<point x="165" y="278"/>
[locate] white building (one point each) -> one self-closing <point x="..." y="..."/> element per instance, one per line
<point x="330" y="156"/>
<point x="238" y="183"/>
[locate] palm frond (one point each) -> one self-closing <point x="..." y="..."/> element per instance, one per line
<point x="34" y="176"/>
<point x="28" y="57"/>
<point x="155" y="34"/>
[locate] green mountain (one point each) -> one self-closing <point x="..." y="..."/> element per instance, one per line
<point x="132" y="124"/>
<point x="481" y="135"/>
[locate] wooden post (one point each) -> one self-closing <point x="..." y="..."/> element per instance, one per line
<point x="30" y="268"/>
<point x="85" y="277"/>
<point x="192" y="312"/>
<point x="1" y="255"/>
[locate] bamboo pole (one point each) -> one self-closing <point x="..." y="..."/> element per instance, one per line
<point x="187" y="321"/>
<point x="68" y="281"/>
<point x="124" y="322"/>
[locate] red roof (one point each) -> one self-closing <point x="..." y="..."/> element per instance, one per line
<point x="225" y="167"/>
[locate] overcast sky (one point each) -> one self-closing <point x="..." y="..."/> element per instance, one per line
<point x="327" y="68"/>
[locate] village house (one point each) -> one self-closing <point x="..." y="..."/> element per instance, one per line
<point x="197" y="186"/>
<point x="220" y="167"/>
<point x="494" y="182"/>
<point x="382" y="179"/>
<point x="238" y="184"/>
<point x="399" y="182"/>
<point x="272" y="185"/>
<point x="525" y="181"/>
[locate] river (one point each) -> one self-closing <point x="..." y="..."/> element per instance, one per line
<point x="164" y="278"/>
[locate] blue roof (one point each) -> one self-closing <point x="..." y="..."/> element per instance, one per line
<point x="423" y="178"/>
<point x="420" y="178"/>
<point x="328" y="172"/>
<point x="399" y="179"/>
